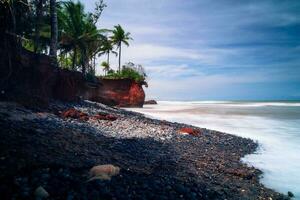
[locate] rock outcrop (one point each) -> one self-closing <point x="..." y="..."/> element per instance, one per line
<point x="34" y="79"/>
<point x="120" y="92"/>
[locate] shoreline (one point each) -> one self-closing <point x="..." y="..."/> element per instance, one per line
<point x="273" y="125"/>
<point x="156" y="160"/>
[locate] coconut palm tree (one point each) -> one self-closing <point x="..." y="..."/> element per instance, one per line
<point x="120" y="36"/>
<point x="54" y="28"/>
<point x="78" y="34"/>
<point x="105" y="66"/>
<point x="107" y="48"/>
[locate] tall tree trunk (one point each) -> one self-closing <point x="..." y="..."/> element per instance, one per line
<point x="74" y="59"/>
<point x="54" y="29"/>
<point x="120" y="57"/>
<point x="66" y="61"/>
<point x="85" y="62"/>
<point x="13" y="18"/>
<point x="94" y="68"/>
<point x="39" y="11"/>
<point x="108" y="57"/>
<point x="84" y="67"/>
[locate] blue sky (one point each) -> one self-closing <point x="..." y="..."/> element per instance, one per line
<point x="212" y="50"/>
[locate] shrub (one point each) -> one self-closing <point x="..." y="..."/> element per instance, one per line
<point x="126" y="72"/>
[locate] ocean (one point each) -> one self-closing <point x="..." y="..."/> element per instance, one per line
<point x="274" y="125"/>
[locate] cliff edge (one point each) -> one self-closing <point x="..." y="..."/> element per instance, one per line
<point x="34" y="79"/>
<point x="119" y="92"/>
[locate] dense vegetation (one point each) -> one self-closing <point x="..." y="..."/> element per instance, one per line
<point x="66" y="32"/>
<point x="130" y="71"/>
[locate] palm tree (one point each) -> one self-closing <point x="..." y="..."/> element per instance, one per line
<point x="54" y="29"/>
<point x="120" y="36"/>
<point x="79" y="34"/>
<point x="105" y="66"/>
<point x="107" y="48"/>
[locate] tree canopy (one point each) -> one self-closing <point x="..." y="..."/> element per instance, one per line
<point x="64" y="30"/>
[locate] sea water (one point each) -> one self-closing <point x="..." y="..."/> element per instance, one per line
<point x="274" y="125"/>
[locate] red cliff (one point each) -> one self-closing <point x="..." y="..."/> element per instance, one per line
<point x="34" y="79"/>
<point x="120" y="92"/>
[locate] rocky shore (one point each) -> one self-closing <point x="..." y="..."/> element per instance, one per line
<point x="51" y="150"/>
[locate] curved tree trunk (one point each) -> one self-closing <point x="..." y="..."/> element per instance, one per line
<point x="54" y="29"/>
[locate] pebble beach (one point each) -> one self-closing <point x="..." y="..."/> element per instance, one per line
<point x="43" y="148"/>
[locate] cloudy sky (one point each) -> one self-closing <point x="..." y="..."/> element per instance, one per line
<point x="212" y="50"/>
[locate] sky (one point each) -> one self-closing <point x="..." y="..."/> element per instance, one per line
<point x="211" y="50"/>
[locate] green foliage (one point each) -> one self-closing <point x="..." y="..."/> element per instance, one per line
<point x="126" y="73"/>
<point x="105" y="66"/>
<point x="65" y="61"/>
<point x="118" y="37"/>
<point x="28" y="44"/>
<point x="78" y="33"/>
<point x="107" y="48"/>
<point x="79" y="39"/>
<point x="111" y="71"/>
<point x="78" y="36"/>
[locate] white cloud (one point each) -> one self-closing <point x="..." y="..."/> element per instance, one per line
<point x="156" y="52"/>
<point x="158" y="31"/>
<point x="201" y="47"/>
<point x="170" y="71"/>
<point x="149" y="53"/>
<point x="182" y="82"/>
<point x="196" y="86"/>
<point x="144" y="52"/>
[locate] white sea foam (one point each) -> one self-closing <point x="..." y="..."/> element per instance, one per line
<point x="275" y="125"/>
<point x="232" y="103"/>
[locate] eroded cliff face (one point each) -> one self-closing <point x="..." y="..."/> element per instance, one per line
<point x="34" y="79"/>
<point x="120" y="92"/>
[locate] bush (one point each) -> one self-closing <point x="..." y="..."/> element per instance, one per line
<point x="126" y="73"/>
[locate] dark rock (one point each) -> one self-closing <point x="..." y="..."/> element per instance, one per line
<point x="180" y="189"/>
<point x="150" y="102"/>
<point x="40" y="193"/>
<point x="290" y="194"/>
